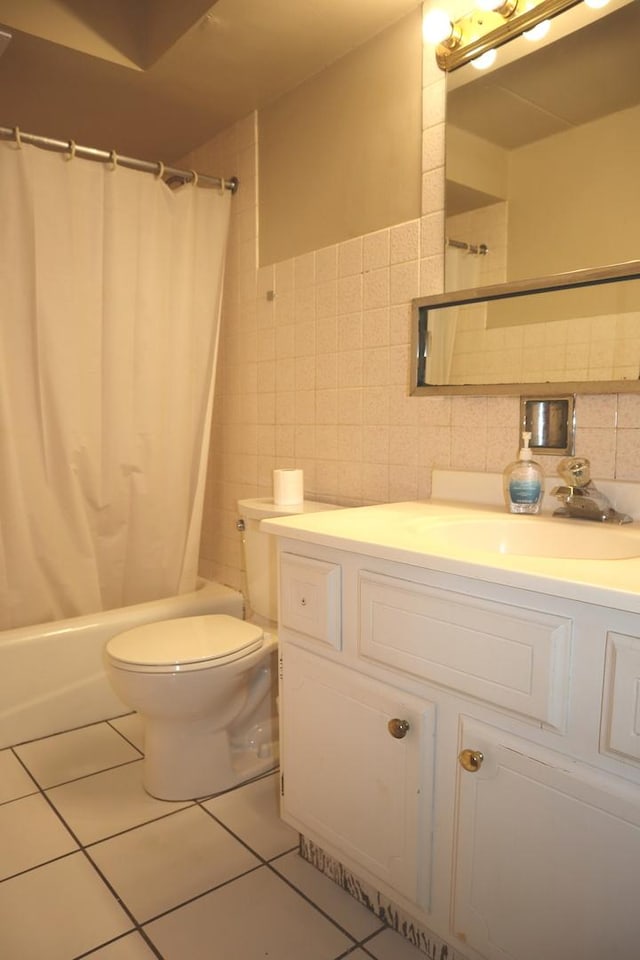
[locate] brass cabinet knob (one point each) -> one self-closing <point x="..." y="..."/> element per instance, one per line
<point x="471" y="760"/>
<point x="398" y="728"/>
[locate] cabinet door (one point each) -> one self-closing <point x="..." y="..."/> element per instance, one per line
<point x="355" y="782"/>
<point x="547" y="855"/>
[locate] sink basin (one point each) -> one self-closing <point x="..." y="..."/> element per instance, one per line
<point x="535" y="537"/>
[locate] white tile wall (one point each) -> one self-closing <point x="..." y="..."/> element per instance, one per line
<point x="317" y="377"/>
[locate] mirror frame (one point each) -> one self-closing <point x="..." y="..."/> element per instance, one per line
<point x="421" y="306"/>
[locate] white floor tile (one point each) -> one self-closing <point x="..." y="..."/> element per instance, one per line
<point x="254" y="917"/>
<point x="169" y="861"/>
<point x="107" y="803"/>
<point x="329" y="897"/>
<point x="252" y="812"/>
<point x="30" y="834"/>
<point x="389" y="945"/>
<point x="131" y="727"/>
<point x="15" y="782"/>
<point x="77" y="753"/>
<point x="58" y="911"/>
<point x="131" y="947"/>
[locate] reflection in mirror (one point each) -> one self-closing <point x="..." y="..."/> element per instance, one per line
<point x="581" y="331"/>
<point x="543" y="153"/>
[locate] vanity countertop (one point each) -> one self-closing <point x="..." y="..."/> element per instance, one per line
<point x="415" y="533"/>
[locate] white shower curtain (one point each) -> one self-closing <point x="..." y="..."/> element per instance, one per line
<point x="110" y="288"/>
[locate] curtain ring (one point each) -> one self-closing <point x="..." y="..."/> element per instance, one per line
<point x="113" y="160"/>
<point x="17" y="137"/>
<point x="71" y="152"/>
<point x="223" y="185"/>
<point x="194" y="178"/>
<point x="160" y="171"/>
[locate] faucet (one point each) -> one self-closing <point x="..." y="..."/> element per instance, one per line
<point x="581" y="497"/>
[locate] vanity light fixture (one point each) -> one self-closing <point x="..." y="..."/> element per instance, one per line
<point x="489" y="25"/>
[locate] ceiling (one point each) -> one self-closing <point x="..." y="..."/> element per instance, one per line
<point x="156" y="78"/>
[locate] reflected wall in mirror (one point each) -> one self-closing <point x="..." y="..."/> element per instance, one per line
<point x="543" y="153"/>
<point x="578" y="332"/>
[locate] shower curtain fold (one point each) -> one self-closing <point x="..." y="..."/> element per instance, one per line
<point x="110" y="288"/>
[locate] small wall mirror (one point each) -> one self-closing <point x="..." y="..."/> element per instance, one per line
<point x="577" y="332"/>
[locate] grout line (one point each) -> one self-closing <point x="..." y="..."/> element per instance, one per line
<point x="57" y="733"/>
<point x="204" y="893"/>
<point x="136" y="826"/>
<point x="95" y="773"/>
<point x="318" y="908"/>
<point x="36" y="866"/>
<point x="108" y="943"/>
<point x="121" y="734"/>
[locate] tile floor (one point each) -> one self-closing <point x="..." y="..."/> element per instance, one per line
<point x="91" y="866"/>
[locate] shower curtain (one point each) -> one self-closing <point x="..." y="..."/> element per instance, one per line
<point x="110" y="288"/>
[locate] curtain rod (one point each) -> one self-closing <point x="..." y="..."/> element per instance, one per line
<point x="480" y="248"/>
<point x="156" y="167"/>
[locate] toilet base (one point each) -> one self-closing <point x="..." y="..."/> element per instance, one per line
<point x="181" y="766"/>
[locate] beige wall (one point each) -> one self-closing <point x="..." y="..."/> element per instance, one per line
<point x="568" y="195"/>
<point x="340" y="155"/>
<point x="317" y="378"/>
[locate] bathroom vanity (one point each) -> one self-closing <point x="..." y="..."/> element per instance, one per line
<point x="461" y="725"/>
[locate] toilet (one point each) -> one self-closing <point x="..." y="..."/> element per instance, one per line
<point x="205" y="686"/>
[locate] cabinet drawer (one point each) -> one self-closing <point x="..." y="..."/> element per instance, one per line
<point x="310" y="598"/>
<point x="506" y="655"/>
<point x="620" y="733"/>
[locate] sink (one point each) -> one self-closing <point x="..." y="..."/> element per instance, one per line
<point x="533" y="537"/>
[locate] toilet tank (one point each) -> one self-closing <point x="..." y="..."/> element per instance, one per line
<point x="260" y="550"/>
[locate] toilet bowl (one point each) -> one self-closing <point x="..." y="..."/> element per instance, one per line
<point x="206" y="686"/>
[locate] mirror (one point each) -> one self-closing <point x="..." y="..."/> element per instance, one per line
<point x="543" y="152"/>
<point x="498" y="339"/>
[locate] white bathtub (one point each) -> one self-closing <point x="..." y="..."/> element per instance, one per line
<point x="52" y="676"/>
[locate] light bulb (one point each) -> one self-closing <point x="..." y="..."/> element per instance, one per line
<point x="485" y="60"/>
<point x="437" y="26"/>
<point x="539" y="31"/>
<point x="596" y="4"/>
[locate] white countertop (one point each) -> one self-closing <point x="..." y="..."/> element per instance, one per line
<point x="401" y="532"/>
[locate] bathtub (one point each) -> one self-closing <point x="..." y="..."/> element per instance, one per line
<point x="52" y="676"/>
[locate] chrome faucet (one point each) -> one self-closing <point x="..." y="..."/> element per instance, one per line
<point x="580" y="496"/>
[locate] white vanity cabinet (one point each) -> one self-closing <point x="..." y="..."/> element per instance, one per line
<point x="504" y="814"/>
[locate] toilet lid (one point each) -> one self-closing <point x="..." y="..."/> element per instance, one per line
<point x="186" y="640"/>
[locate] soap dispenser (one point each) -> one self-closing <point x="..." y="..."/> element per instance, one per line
<point x="524" y="481"/>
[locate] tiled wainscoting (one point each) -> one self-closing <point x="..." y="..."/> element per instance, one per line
<point x="91" y="866"/>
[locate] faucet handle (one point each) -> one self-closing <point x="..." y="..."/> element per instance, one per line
<point x="575" y="471"/>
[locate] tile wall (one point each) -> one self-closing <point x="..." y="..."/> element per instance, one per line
<point x="314" y="357"/>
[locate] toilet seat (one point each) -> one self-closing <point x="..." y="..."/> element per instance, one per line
<point x="183" y="644"/>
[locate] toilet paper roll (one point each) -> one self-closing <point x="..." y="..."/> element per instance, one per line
<point x="288" y="487"/>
